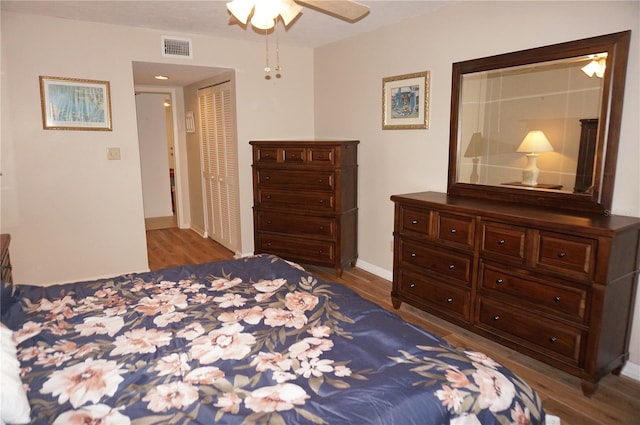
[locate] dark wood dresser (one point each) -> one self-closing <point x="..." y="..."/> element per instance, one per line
<point x="305" y="200"/>
<point x="558" y="286"/>
<point x="5" y="262"/>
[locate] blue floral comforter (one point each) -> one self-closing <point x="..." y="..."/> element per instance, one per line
<point x="250" y="341"/>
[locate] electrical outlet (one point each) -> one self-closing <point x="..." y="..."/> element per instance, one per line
<point x="113" y="153"/>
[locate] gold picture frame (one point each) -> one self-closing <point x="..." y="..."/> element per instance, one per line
<point x="405" y="101"/>
<point x="75" y="104"/>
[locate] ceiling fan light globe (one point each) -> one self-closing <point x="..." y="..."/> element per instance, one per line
<point x="262" y="23"/>
<point x="241" y="9"/>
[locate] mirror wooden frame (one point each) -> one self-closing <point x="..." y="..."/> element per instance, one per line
<point x="599" y="200"/>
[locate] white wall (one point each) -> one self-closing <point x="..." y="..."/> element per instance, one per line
<point x="74" y="215"/>
<point x="348" y="87"/>
<point x="154" y="160"/>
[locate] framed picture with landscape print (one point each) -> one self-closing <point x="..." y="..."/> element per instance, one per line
<point x="75" y="104"/>
<point x="405" y="101"/>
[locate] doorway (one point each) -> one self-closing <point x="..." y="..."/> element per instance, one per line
<point x="157" y="162"/>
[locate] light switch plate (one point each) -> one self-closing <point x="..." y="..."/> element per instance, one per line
<point x="113" y="153"/>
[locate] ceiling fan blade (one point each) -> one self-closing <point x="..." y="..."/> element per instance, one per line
<point x="344" y="9"/>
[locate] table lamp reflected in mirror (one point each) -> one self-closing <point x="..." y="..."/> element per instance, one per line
<point x="534" y="142"/>
<point x="476" y="148"/>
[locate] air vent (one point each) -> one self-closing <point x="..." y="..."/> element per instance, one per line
<point x="176" y="47"/>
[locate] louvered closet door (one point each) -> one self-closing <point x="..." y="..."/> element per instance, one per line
<point x="219" y="165"/>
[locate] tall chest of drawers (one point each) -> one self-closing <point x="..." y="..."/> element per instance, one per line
<point x="557" y="286"/>
<point x="305" y="200"/>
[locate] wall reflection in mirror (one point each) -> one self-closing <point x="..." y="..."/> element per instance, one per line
<point x="532" y="125"/>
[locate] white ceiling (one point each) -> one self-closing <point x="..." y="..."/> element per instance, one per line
<point x="211" y="18"/>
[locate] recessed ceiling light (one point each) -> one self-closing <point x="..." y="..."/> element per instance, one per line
<point x="161" y="77"/>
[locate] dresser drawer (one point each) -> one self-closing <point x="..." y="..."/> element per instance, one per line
<point x="443" y="263"/>
<point x="322" y="156"/>
<point x="503" y="240"/>
<point x="449" y="299"/>
<point x="556" y="298"/>
<point x="567" y="254"/>
<point x="265" y="155"/>
<point x="293" y="155"/>
<point x="414" y="221"/>
<point x="307" y="180"/>
<point x="316" y="251"/>
<point x="316" y="201"/>
<point x="455" y="229"/>
<point x="296" y="224"/>
<point x="553" y="339"/>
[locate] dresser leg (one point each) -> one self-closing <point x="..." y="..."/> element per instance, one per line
<point x="588" y="388"/>
<point x="395" y="302"/>
<point x="339" y="271"/>
<point x="617" y="370"/>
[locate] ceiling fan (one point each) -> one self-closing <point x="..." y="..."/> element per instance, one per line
<point x="265" y="13"/>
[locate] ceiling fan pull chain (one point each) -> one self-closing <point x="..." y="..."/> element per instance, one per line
<point x="267" y="69"/>
<point x="278" y="68"/>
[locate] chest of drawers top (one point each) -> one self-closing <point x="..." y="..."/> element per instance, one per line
<point x="304" y="154"/>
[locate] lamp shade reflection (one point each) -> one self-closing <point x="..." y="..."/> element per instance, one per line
<point x="535" y="141"/>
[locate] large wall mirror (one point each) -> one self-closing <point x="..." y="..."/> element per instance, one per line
<point x="540" y="126"/>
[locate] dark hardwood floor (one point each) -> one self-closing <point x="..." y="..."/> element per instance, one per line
<point x="616" y="402"/>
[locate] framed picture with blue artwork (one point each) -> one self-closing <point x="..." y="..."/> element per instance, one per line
<point x="405" y="101"/>
<point x="75" y="104"/>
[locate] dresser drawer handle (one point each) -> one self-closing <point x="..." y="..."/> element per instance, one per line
<point x="556" y="299"/>
<point x="412" y="285"/>
<point x="413" y="255"/>
<point x="414" y="222"/>
<point x="501" y="242"/>
<point x="321" y="228"/>
<point x="562" y="254"/>
<point x="268" y="221"/>
<point x="452" y="266"/>
<point x="319" y="251"/>
<point x="322" y="201"/>
<point x="499" y="281"/>
<point x="453" y="231"/>
<point x="496" y="317"/>
<point x="320" y="180"/>
<point x="268" y="243"/>
<point x="267" y="155"/>
<point x="268" y="196"/>
<point x="267" y="178"/>
<point x="553" y="339"/>
<point x="449" y="300"/>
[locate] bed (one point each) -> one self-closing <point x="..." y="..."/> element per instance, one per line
<point x="256" y="340"/>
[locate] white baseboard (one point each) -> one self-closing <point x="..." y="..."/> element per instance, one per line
<point x="631" y="370"/>
<point x="378" y="271"/>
